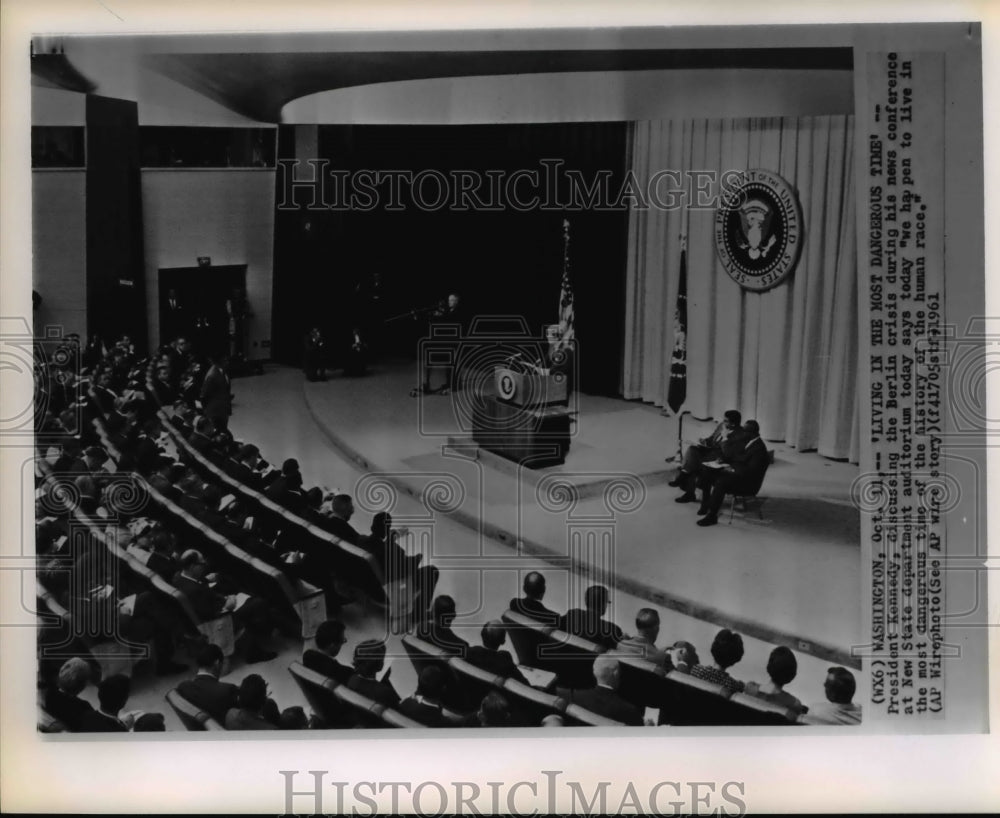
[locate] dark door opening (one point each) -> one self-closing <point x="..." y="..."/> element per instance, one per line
<point x="193" y="303"/>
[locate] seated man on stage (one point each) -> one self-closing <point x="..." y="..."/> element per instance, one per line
<point x="706" y="449"/>
<point x="745" y="469"/>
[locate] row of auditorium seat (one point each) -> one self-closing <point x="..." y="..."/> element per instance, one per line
<point x="356" y="564"/>
<point x="681" y="699"/>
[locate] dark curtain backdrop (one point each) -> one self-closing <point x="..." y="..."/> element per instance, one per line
<point x="503" y="262"/>
<point x="788" y="356"/>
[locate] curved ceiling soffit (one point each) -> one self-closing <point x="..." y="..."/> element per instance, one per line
<point x="259" y="85"/>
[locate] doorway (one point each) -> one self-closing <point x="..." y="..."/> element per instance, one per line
<point x="193" y="304"/>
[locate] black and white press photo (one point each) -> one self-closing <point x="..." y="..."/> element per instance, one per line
<point x="425" y="385"/>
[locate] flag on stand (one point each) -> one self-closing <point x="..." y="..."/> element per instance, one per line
<point x="677" y="389"/>
<point x="566" y="333"/>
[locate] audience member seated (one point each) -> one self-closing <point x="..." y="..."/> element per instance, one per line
<point x="604" y="699"/>
<point x="112" y="693"/>
<point x="63" y="701"/>
<point x="530" y="604"/>
<point x="489" y="657"/>
<point x="243" y="466"/>
<point x="205" y="691"/>
<point x="250" y="613"/>
<point x="494" y="711"/>
<point x="251" y="703"/>
<point x="436" y="629"/>
<point x="683" y="656"/>
<point x="338" y="523"/>
<point x="727" y="650"/>
<point x="590" y="624"/>
<point x="293" y="718"/>
<point x="782" y="668"/>
<point x="116" y="604"/>
<point x="838" y="707"/>
<point x="383" y="544"/>
<point x="647" y="625"/>
<point x="150" y="723"/>
<point x="425" y="705"/>
<point x="369" y="659"/>
<point x="553" y="720"/>
<point x="286" y="491"/>
<point x="747" y="463"/>
<point x="322" y="659"/>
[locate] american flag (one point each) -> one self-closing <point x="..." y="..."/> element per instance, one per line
<point x="565" y="294"/>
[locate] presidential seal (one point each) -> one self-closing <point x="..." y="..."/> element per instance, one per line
<point x="758" y="229"/>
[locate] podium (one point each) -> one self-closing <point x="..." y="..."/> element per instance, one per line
<point x="526" y="419"/>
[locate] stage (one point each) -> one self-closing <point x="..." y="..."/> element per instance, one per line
<point x="791" y="579"/>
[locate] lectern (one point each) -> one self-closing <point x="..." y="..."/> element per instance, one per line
<point x="526" y="419"/>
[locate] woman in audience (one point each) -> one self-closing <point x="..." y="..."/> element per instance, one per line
<point x="250" y="705"/>
<point x="781" y="667"/>
<point x="727" y="650"/>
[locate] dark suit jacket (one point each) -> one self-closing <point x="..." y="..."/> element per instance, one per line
<point x="208" y="693"/>
<point x="606" y="702"/>
<point x="327" y="665"/>
<point x="97" y="722"/>
<point x="444" y="638"/>
<point x="582" y="623"/>
<point x="206" y="602"/>
<point x="750" y="462"/>
<point x="343" y="529"/>
<point x="70" y="710"/>
<point x="215" y="395"/>
<point x="381" y="692"/>
<point x="534" y="609"/>
<point x="495" y="661"/>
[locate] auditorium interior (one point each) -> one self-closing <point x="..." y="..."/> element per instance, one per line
<point x="173" y="196"/>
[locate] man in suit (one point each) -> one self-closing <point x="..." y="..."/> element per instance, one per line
<point x="530" y="604"/>
<point x="205" y="691"/>
<point x="329" y="640"/>
<point x="314" y="356"/>
<point x="425" y="705"/>
<point x="747" y="464"/>
<point x="63" y="701"/>
<point x="252" y="614"/>
<point x="338" y="523"/>
<point x="436" y="629"/>
<point x="604" y="699"/>
<point x="216" y="397"/>
<point x="647" y="623"/>
<point x="112" y="693"/>
<point x="838" y="707"/>
<point x="174" y="316"/>
<point x="590" y="624"/>
<point x="489" y="657"/>
<point x="242" y="466"/>
<point x="707" y="448"/>
<point x="369" y="659"/>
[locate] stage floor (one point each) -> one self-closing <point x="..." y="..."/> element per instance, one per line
<point x="793" y="578"/>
